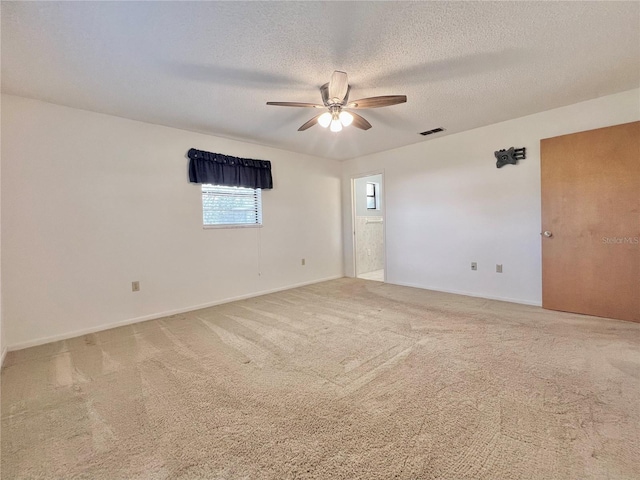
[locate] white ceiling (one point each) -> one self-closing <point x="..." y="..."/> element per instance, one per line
<point x="211" y="67"/>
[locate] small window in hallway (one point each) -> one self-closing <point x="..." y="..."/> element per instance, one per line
<point x="372" y="196"/>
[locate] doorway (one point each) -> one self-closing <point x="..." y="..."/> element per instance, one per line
<point x="368" y="227"/>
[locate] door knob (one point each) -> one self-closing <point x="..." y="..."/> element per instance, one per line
<point x="548" y="234"/>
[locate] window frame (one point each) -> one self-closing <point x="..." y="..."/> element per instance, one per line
<point x="373" y="195"/>
<point x="231" y="225"/>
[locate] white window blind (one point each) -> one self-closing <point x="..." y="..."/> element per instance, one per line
<point x="231" y="205"/>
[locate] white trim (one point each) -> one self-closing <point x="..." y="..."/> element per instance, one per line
<point x="354" y="262"/>
<point x="153" y="316"/>
<point x="4" y="354"/>
<point x="469" y="294"/>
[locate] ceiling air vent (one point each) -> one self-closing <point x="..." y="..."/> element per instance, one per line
<point x="431" y="132"/>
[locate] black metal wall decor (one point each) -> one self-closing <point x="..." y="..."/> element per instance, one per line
<point x="510" y="156"/>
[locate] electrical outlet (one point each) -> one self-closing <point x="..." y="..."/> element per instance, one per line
<point x="498" y="268"/>
<point x="304" y="262"/>
<point x="474" y="266"/>
<point x="135" y="286"/>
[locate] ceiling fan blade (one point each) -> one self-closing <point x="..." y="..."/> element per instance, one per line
<point x="309" y="124"/>
<point x="324" y="91"/>
<point x="360" y="122"/>
<point x="338" y="85"/>
<point x="376" y="102"/>
<point x="296" y="104"/>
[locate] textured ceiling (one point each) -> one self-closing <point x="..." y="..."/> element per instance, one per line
<point x="211" y="67"/>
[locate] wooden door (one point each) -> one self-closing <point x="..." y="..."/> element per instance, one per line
<point x="591" y="209"/>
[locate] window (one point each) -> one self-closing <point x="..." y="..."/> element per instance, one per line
<point x="372" y="196"/>
<point x="231" y="206"/>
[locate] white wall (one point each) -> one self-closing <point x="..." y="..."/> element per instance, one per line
<point x="447" y="205"/>
<point x="3" y="349"/>
<point x="91" y="202"/>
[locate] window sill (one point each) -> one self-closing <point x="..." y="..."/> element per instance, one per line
<point x="207" y="227"/>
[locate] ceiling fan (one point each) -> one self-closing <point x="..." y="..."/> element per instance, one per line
<point x="335" y="98"/>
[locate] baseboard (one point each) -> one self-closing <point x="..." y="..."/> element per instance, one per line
<point x="470" y="294"/>
<point x="153" y="316"/>
<point x="4" y="354"/>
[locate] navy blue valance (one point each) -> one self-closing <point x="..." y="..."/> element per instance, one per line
<point x="218" y="169"/>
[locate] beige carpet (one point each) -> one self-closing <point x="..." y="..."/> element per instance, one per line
<point x="346" y="379"/>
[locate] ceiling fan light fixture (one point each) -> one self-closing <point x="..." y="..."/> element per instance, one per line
<point x="335" y="97"/>
<point x="346" y="119"/>
<point x="325" y="119"/>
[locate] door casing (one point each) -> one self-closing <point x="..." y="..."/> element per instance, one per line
<point x="353" y="219"/>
